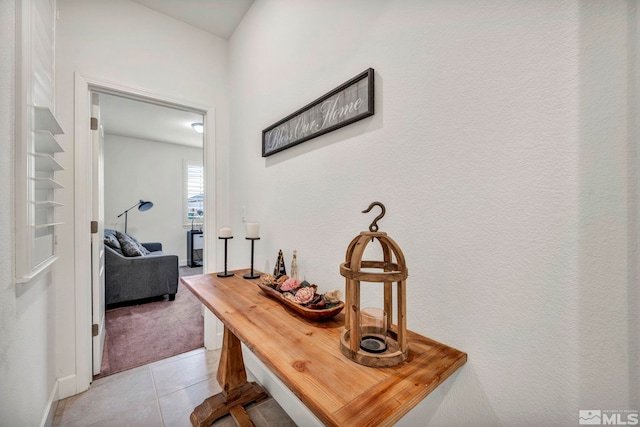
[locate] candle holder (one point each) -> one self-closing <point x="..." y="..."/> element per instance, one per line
<point x="225" y="274"/>
<point x="251" y="275"/>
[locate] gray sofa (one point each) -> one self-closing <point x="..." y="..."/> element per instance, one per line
<point x="138" y="277"/>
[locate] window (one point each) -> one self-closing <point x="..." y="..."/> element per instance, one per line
<point x="194" y="184"/>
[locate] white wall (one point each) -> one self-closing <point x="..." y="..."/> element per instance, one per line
<point x="608" y="205"/>
<point x="137" y="169"/>
<point x="125" y="43"/>
<point x="498" y="147"/>
<point x="634" y="128"/>
<point x="27" y="348"/>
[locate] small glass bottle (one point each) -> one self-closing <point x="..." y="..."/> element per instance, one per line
<point x="294" y="266"/>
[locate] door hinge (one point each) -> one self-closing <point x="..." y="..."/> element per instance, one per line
<point x="94" y="330"/>
<point x="94" y="227"/>
<point x="94" y="123"/>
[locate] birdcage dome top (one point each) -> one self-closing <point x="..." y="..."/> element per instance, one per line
<point x="392" y="268"/>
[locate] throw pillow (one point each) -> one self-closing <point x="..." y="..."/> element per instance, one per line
<point x="111" y="241"/>
<point x="144" y="250"/>
<point x="129" y="247"/>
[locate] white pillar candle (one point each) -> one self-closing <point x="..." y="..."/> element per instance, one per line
<point x="225" y="232"/>
<point x="253" y="230"/>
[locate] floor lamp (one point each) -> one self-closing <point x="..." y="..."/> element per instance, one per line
<point x="141" y="205"/>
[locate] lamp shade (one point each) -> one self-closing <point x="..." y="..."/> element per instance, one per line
<point x="145" y="206"/>
<point x="142" y="206"/>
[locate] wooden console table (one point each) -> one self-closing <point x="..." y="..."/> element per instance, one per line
<point x="306" y="357"/>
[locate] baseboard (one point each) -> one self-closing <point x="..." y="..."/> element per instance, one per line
<point x="52" y="405"/>
<point x="288" y="401"/>
<point x="67" y="386"/>
<point x="213" y="331"/>
<point x="102" y="334"/>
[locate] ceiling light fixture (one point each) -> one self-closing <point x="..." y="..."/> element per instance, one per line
<point x="198" y="127"/>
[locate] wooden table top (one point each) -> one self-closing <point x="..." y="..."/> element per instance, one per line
<point x="305" y="355"/>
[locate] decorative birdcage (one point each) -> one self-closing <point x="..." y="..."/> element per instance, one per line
<point x="370" y="338"/>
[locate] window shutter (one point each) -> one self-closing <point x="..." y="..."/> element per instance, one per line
<point x="195" y="190"/>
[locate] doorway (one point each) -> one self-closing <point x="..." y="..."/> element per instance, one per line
<point x="152" y="191"/>
<point x="82" y="194"/>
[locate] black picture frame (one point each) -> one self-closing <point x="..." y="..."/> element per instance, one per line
<point x="348" y="103"/>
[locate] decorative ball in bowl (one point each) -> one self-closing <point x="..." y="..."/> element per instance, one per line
<point x="301" y="296"/>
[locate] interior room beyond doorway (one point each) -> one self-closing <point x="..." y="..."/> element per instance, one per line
<point x="153" y="153"/>
<point x="153" y="189"/>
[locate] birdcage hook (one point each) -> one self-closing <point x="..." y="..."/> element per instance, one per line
<point x="374" y="225"/>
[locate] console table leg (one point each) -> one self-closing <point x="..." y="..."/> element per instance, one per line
<point x="236" y="391"/>
<point x="241" y="417"/>
<point x="231" y="373"/>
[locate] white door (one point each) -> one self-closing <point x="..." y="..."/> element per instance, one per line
<point x="97" y="233"/>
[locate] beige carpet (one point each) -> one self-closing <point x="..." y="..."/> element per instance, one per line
<point x="154" y="330"/>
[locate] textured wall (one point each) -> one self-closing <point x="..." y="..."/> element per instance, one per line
<point x="26" y="310"/>
<point x="130" y="45"/>
<point x="608" y="204"/>
<point x="490" y="129"/>
<point x="7" y="116"/>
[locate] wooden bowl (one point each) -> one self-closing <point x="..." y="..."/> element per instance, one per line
<point x="307" y="313"/>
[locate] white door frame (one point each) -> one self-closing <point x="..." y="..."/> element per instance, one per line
<point x="82" y="202"/>
<point x="97" y="238"/>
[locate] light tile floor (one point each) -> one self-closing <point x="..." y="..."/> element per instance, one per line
<point x="161" y="394"/>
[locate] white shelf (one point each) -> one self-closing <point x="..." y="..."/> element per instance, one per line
<point x="45" y="120"/>
<point x="48" y="204"/>
<point x="45" y="142"/>
<point x="35" y="164"/>
<point x="46" y="184"/>
<point x="50" y="224"/>
<point x="37" y="270"/>
<point x="44" y="162"/>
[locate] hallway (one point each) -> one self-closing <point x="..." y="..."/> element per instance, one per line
<point x="162" y="393"/>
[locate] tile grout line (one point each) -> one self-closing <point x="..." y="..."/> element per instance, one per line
<point x="155" y="392"/>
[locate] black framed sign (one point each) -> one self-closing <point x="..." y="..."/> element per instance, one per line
<point x="346" y="104"/>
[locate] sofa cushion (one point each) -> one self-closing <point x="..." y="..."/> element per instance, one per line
<point x="142" y="248"/>
<point x="153" y="246"/>
<point x="130" y="246"/>
<point x="112" y="241"/>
